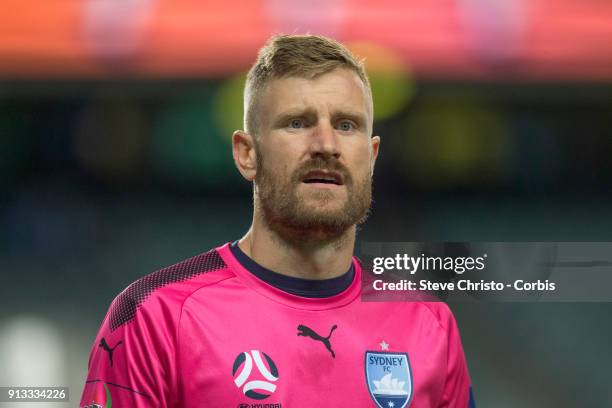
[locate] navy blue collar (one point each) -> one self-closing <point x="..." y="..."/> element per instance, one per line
<point x="312" y="288"/>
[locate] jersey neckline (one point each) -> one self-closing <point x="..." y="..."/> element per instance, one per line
<point x="310" y="288"/>
<point x="301" y="302"/>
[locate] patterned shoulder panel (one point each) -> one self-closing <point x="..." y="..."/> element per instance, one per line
<point x="127" y="302"/>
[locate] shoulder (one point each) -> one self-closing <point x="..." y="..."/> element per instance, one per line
<point x="440" y="312"/>
<point x="164" y="291"/>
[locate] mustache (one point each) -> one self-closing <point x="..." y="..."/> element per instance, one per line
<point x="320" y="163"/>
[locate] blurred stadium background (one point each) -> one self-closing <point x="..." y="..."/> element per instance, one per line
<point x="115" y="122"/>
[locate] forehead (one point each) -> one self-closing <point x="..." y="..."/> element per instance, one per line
<point x="337" y="90"/>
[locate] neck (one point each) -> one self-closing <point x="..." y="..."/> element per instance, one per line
<point x="301" y="258"/>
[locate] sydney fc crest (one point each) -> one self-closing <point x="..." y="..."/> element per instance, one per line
<point x="389" y="378"/>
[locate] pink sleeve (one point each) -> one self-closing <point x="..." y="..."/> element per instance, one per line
<point x="131" y="360"/>
<point x="457" y="389"/>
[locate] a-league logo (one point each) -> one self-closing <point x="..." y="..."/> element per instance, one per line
<point x="257" y="384"/>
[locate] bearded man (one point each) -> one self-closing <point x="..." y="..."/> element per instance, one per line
<point x="275" y="318"/>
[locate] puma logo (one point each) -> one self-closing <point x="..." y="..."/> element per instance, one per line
<point x="110" y="350"/>
<point x="308" y="332"/>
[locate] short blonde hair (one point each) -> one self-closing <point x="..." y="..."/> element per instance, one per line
<point x="304" y="56"/>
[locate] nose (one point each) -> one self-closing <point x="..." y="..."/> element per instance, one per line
<point x="324" y="141"/>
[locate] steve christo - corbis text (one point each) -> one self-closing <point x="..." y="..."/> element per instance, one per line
<point x="411" y="265"/>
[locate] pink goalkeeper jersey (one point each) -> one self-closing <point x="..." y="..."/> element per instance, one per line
<point x="207" y="332"/>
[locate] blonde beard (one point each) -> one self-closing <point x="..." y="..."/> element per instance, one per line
<point x="284" y="213"/>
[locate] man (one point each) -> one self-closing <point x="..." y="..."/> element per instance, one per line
<point x="275" y="319"/>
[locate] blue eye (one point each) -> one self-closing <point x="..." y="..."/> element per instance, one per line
<point x="346" y="126"/>
<point x="296" y="124"/>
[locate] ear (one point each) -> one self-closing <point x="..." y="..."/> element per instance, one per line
<point x="243" y="150"/>
<point x="375" y="143"/>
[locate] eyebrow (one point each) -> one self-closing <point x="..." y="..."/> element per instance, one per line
<point x="284" y="117"/>
<point x="357" y="117"/>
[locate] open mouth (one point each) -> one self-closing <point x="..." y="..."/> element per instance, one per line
<point x="323" y="177"/>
